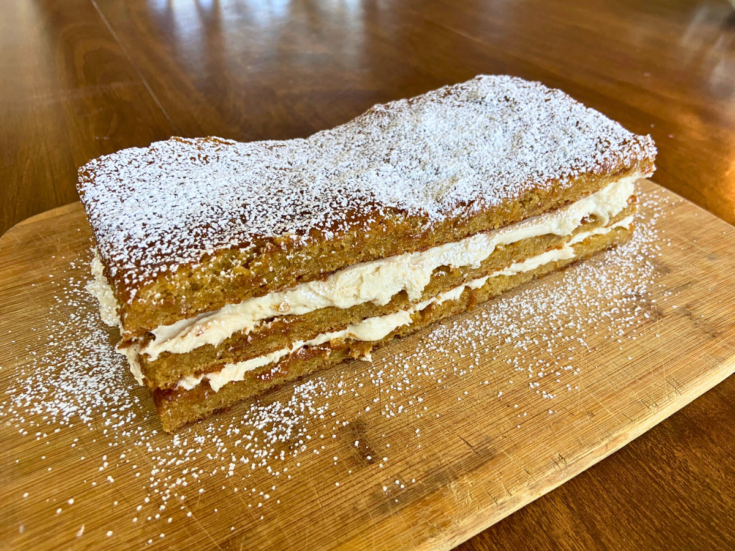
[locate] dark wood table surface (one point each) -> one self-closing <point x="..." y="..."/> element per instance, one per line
<point x="82" y="78"/>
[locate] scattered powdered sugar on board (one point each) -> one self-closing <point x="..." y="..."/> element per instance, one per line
<point x="267" y="452"/>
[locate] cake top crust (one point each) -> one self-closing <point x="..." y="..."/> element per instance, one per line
<point x="452" y="151"/>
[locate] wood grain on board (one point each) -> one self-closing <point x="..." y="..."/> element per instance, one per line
<point x="85" y="78"/>
<point x="475" y="467"/>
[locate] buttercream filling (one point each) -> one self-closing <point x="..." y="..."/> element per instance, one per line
<point x="100" y="288"/>
<point x="379" y="281"/>
<point x="377" y="328"/>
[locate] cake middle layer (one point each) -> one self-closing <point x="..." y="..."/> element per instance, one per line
<point x="379" y="281"/>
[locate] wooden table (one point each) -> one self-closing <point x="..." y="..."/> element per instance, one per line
<point x="82" y="78"/>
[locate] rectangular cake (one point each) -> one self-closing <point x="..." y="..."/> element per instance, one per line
<point x="231" y="268"/>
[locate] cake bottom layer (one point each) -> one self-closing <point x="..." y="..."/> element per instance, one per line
<point x="178" y="407"/>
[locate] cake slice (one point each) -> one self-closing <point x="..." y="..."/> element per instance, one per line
<point x="231" y="267"/>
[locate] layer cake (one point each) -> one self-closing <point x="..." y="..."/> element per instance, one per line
<point x="231" y="268"/>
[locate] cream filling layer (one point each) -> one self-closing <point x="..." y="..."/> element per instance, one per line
<point x="131" y="353"/>
<point x="376" y="328"/>
<point x="100" y="288"/>
<point x="379" y="280"/>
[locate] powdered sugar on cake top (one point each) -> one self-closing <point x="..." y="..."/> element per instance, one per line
<point x="457" y="149"/>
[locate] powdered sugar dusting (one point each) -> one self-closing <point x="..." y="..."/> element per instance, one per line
<point x="454" y="150"/>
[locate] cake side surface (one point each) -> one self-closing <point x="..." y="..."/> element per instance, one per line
<point x="186" y="226"/>
<point x="165" y="370"/>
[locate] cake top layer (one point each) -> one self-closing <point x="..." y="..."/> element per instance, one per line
<point x="451" y="151"/>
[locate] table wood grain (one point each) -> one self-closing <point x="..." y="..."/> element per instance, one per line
<point x="83" y="78"/>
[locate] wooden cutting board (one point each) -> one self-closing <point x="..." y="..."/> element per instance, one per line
<point x="426" y="446"/>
